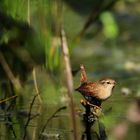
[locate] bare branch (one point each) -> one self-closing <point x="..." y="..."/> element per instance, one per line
<point x="36" y="85"/>
<point x="9" y="73"/>
<point x="7" y="99"/>
<point x="50" y="118"/>
<point x="29" y="117"/>
<point x="69" y="81"/>
<point x="65" y="51"/>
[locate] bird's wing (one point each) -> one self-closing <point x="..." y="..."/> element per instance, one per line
<point x="88" y="89"/>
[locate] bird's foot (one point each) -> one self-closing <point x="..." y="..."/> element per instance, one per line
<point x="94" y="106"/>
<point x="83" y="102"/>
<point x="95" y="110"/>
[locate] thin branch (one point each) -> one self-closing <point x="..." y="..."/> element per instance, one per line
<point x="36" y="85"/>
<point x="34" y="116"/>
<point x="65" y="51"/>
<point x="9" y="72"/>
<point x="29" y="117"/>
<point x="69" y="81"/>
<point x="39" y="97"/>
<point x="7" y="99"/>
<point x="10" y="126"/>
<point x="35" y="131"/>
<point x="50" y="118"/>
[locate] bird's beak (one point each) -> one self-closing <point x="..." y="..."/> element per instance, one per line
<point x="114" y="83"/>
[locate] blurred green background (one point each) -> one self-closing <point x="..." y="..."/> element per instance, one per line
<point x="102" y="34"/>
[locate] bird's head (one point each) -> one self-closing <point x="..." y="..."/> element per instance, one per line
<point x="107" y="83"/>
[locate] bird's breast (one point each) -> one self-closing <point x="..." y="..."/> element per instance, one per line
<point x="104" y="94"/>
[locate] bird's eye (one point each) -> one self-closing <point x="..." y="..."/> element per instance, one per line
<point x="108" y="82"/>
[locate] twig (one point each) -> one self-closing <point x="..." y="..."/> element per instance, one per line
<point x="35" y="131"/>
<point x="36" y="85"/>
<point x="50" y="118"/>
<point x="7" y="99"/>
<point x="10" y="126"/>
<point x="69" y="81"/>
<point x="29" y="117"/>
<point x="39" y="97"/>
<point x="65" y="52"/>
<point x="9" y="73"/>
<point x="34" y="116"/>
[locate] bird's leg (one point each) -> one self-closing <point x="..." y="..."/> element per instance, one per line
<point x="91" y="111"/>
<point x="88" y="115"/>
<point x="85" y="103"/>
<point x="94" y="109"/>
<point x="94" y="106"/>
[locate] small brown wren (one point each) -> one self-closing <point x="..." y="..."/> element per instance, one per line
<point x="95" y="92"/>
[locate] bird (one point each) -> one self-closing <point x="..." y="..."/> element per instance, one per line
<point x="96" y="92"/>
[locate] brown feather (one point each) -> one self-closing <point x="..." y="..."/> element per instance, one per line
<point x="88" y="89"/>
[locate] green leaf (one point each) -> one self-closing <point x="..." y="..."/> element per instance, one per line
<point x="110" y="27"/>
